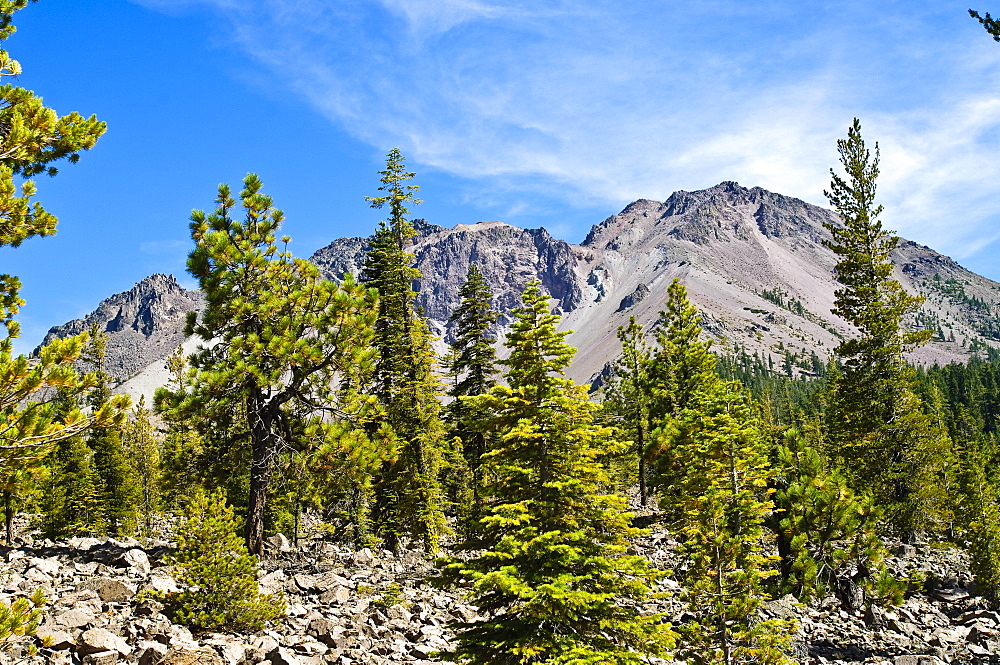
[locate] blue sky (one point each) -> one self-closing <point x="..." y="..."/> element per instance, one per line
<point x="552" y="114"/>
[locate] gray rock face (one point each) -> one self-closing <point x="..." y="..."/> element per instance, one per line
<point x="144" y="324"/>
<point x="507" y="256"/>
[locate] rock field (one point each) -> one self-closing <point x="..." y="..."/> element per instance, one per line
<point x="362" y="606"/>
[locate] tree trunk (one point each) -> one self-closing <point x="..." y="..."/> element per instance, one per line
<point x="261" y="440"/>
<point x="8" y="516"/>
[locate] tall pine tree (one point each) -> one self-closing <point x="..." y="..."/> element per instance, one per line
<point x="878" y="432"/>
<point x="409" y="501"/>
<point x="472" y="365"/>
<point x="550" y="574"/>
<point x="279" y="339"/>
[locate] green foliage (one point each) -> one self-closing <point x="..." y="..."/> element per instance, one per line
<point x="878" y="432"/>
<point x="31" y="421"/>
<point x="288" y="353"/>
<point x="824" y="529"/>
<point x="627" y="397"/>
<point x="409" y="497"/>
<point x="216" y="574"/>
<point x="472" y="366"/>
<point x="991" y="24"/>
<point x="142" y="449"/>
<point x="722" y="503"/>
<point x="549" y="571"/>
<point x="979" y="519"/>
<point x="20" y="620"/>
<point x="680" y="370"/>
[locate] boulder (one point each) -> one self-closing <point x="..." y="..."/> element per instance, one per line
<point x="101" y="658"/>
<point x="110" y="590"/>
<point x="96" y="640"/>
<point x="191" y="656"/>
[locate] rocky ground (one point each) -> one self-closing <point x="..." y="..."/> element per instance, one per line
<point x="372" y="607"/>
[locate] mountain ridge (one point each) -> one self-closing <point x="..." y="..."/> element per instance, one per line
<point x="754" y="262"/>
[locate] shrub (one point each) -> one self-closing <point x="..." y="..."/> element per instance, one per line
<point x="20" y="620"/>
<point x="216" y="573"/>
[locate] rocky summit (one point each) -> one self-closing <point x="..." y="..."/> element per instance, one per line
<point x="144" y="324"/>
<point x="348" y="607"/>
<point x="754" y="263"/>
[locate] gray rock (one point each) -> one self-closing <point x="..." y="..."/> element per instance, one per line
<point x="191" y="656"/>
<point x="152" y="653"/>
<point x="56" y="639"/>
<point x="73" y="618"/>
<point x="110" y="590"/>
<point x="137" y="560"/>
<point x="101" y="658"/>
<point x="99" y="639"/>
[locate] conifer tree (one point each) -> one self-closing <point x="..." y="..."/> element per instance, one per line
<point x="722" y="503"/>
<point x="680" y="369"/>
<point x="216" y="575"/>
<point x="823" y="528"/>
<point x="473" y="366"/>
<point x="281" y="339"/>
<point x="877" y="428"/>
<point x="628" y="395"/>
<point x="991" y="24"/>
<point x="117" y="487"/>
<point x="35" y="137"/>
<point x="550" y="575"/>
<point x="142" y="449"/>
<point x="408" y="494"/>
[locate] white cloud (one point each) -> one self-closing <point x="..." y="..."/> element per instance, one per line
<point x="612" y="102"/>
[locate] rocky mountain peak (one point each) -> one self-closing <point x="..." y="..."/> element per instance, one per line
<point x="144" y="323"/>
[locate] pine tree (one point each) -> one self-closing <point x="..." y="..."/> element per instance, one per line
<point x="874" y="417"/>
<point x="142" y="449"/>
<point x="680" y="369"/>
<point x="117" y="486"/>
<point x="823" y="528"/>
<point x="627" y="396"/>
<point x="991" y="24"/>
<point x="550" y="576"/>
<point x="34" y="137"/>
<point x="408" y="495"/>
<point x="282" y="340"/>
<point x="473" y="365"/>
<point x="216" y="575"/>
<point x="722" y="502"/>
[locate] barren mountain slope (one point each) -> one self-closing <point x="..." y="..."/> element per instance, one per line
<point x="753" y="261"/>
<point x="144" y="324"/>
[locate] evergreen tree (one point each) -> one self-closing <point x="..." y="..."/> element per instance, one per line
<point x="628" y="395"/>
<point x="408" y="494"/>
<point x="680" y="369"/>
<point x="142" y="449"/>
<point x="117" y="486"/>
<point x="877" y="428"/>
<point x="823" y="528"/>
<point x="34" y="137"/>
<point x="550" y="576"/>
<point x="473" y="365"/>
<point x="216" y="575"/>
<point x="991" y="24"/>
<point x="282" y="339"/>
<point x="722" y="503"/>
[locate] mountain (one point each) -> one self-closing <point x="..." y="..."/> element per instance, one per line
<point x="753" y="261"/>
<point x="144" y="324"/>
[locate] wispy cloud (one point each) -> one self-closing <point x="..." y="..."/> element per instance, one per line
<point x="608" y="102"/>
